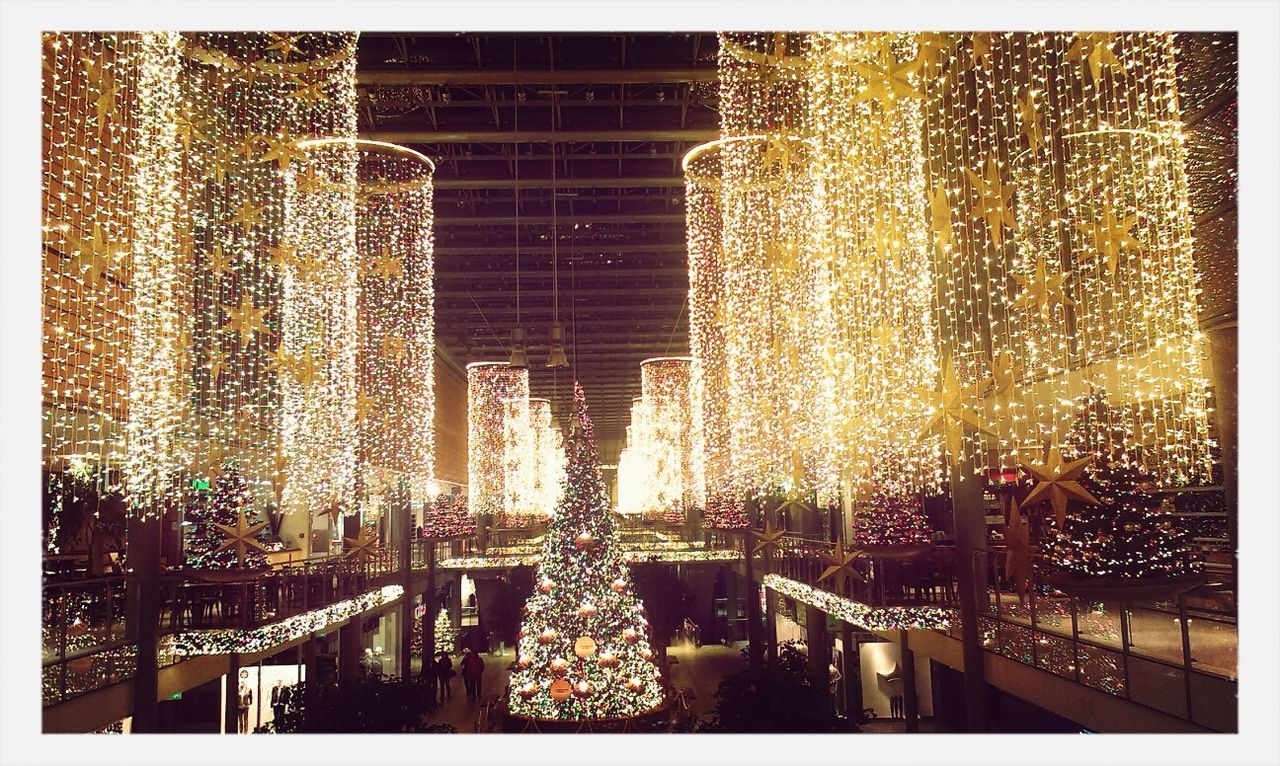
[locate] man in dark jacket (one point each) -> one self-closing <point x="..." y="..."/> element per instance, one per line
<point x="472" y="673"/>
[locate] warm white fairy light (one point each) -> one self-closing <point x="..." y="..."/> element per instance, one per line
<point x="489" y="386"/>
<point x="664" y="387"/>
<point x="870" y="230"/>
<point x="533" y="457"/>
<point x="636" y="462"/>
<point x="1069" y="265"/>
<point x="776" y="316"/>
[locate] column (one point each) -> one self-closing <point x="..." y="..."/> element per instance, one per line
<point x="851" y="672"/>
<point x="231" y="711"/>
<point x="349" y="650"/>
<point x="429" y="609"/>
<point x="1223" y="349"/>
<point x="971" y="538"/>
<point x="142" y="615"/>
<point x="815" y="624"/>
<point x="771" y="624"/>
<point x="911" y="709"/>
<point x="404" y="515"/>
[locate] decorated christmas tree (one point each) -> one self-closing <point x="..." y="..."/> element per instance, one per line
<point x="447" y="516"/>
<point x="219" y="538"/>
<point x="890" y="520"/>
<point x="584" y="652"/>
<point x="724" y="511"/>
<point x="444" y="632"/>
<point x="1126" y="535"/>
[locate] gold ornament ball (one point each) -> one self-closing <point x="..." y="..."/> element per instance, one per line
<point x="584" y="647"/>
<point x="560" y="690"/>
<point x="618" y="586"/>
<point x="546" y="585"/>
<point x="529" y="689"/>
<point x="546" y="636"/>
<point x="608" y="661"/>
<point x="630" y="635"/>
<point x="585" y="541"/>
<point x="524" y="661"/>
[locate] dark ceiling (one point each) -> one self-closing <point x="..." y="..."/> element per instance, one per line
<point x="623" y="110"/>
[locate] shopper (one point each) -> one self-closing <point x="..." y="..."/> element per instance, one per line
<point x="472" y="673"/>
<point x="445" y="674"/>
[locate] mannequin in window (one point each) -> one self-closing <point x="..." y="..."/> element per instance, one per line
<point x="245" y="700"/>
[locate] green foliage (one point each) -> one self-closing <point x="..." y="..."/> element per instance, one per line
<point x="777" y="699"/>
<point x="667" y="602"/>
<point x="373" y="705"/>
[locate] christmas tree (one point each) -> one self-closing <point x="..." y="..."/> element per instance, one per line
<point x="448" y="517"/>
<point x="1127" y="535"/>
<point x="444" y="632"/>
<point x="890" y="520"/>
<point x="207" y="516"/>
<point x="584" y="651"/>
<point x="724" y="511"/>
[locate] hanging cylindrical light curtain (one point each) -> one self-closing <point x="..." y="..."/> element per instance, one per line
<point x="549" y="448"/>
<point x="489" y="386"/>
<point x="635" y="463"/>
<point x="108" y="283"/>
<point x="271" y="336"/>
<point x="872" y="233"/>
<point x="709" y="383"/>
<point x="395" y="399"/>
<point x="664" y="387"/>
<point x="1058" y="189"/>
<point x="775" y="319"/>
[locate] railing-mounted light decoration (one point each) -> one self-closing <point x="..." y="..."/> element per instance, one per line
<point x="489" y="386"/>
<point x="1059" y="204"/>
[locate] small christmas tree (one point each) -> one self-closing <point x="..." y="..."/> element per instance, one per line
<point x="230" y="498"/>
<point x="890" y="520"/>
<point x="1128" y="535"/>
<point x="724" y="511"/>
<point x="444" y="632"/>
<point x="584" y="652"/>
<point x="448" y="517"/>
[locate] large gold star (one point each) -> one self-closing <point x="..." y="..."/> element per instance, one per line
<point x="995" y="205"/>
<point x="940" y="217"/>
<point x="364" y="404"/>
<point x="248" y="215"/>
<point x="285" y="44"/>
<point x="1059" y="483"/>
<point x="360" y="547"/>
<point x="312" y="93"/>
<point x="386" y="266"/>
<point x="306" y="367"/>
<point x="950" y="411"/>
<point x="887" y="80"/>
<point x="333" y="510"/>
<point x="930" y="44"/>
<point x="982" y="49"/>
<point x="189" y="129"/>
<point x="96" y="256"/>
<point x="218" y="261"/>
<point x="242" y="536"/>
<point x="283" y="149"/>
<point x="105" y="107"/>
<point x="1041" y="290"/>
<point x="841" y="565"/>
<point x="1110" y="237"/>
<point x="246" y="319"/>
<point x="217" y="360"/>
<point x="1029" y="118"/>
<point x="248" y="147"/>
<point x="284" y="256"/>
<point x="1093" y="51"/>
<point x="1017" y="540"/>
<point x="393" y="347"/>
<point x="1004" y="373"/>
<point x="769" y="538"/>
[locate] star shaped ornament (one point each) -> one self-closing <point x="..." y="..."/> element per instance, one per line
<point x="242" y="536"/>
<point x="1111" y="237"/>
<point x="282" y="150"/>
<point x="1017" y="538"/>
<point x="995" y="203"/>
<point x="768" y="539"/>
<point x="841" y="565"/>
<point x="1004" y="373"/>
<point x="386" y="266"/>
<point x="360" y="547"/>
<point x="950" y="411"/>
<point x="364" y="405"/>
<point x="1058" y="483"/>
<point x="1029" y="116"/>
<point x="245" y="319"/>
<point x="96" y="255"/>
<point x="1041" y="290"/>
<point x="1093" y="51"/>
<point x="248" y="215"/>
<point x="333" y="511"/>
<point x="887" y="80"/>
<point x="285" y="44"/>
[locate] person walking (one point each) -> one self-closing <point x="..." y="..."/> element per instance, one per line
<point x="472" y="673"/>
<point x="445" y="674"/>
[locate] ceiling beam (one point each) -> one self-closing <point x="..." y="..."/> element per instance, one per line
<point x="539" y="136"/>
<point x="577" y="249"/>
<point x="401" y="76"/>
<point x="581" y="217"/>
<point x="561" y="183"/>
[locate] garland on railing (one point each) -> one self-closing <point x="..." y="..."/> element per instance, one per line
<point x="240" y="640"/>
<point x="630" y="556"/>
<point x="868" y="617"/>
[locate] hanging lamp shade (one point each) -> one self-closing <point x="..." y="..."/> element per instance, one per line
<point x="519" y="359"/>
<point x="556" y="357"/>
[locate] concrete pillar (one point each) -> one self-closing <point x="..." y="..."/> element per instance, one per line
<point x="969" y="518"/>
<point x="231" y="711"/>
<point x="404" y="515"/>
<point x="309" y="661"/>
<point x="429" y="609"/>
<point x="771" y="624"/>
<point x="755" y="641"/>
<point x="142" y="615"/>
<point x="815" y="625"/>
<point x="851" y="672"/>
<point x="910" y="705"/>
<point x="1223" y="353"/>
<point x="455" y="603"/>
<point x="349" y="650"/>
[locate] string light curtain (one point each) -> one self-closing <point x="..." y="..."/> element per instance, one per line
<point x="91" y="142"/>
<point x="1064" y="258"/>
<point x="395" y="399"/>
<point x="271" y="237"/>
<point x="664" y="387"/>
<point x="871" y="232"/>
<point x="776" y="320"/>
<point x="635" y="462"/>
<point x="489" y="386"/>
<point x="533" y="460"/>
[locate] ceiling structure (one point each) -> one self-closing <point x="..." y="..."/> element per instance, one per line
<point x="623" y="110"/>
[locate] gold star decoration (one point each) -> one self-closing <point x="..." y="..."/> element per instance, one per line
<point x="189" y="129"/>
<point x="305" y="367"/>
<point x="982" y="49"/>
<point x="286" y="45"/>
<point x="283" y="150"/>
<point x="1029" y="118"/>
<point x="219" y="262"/>
<point x="1058" y="483"/>
<point x="96" y="256"/>
<point x="950" y="411"/>
<point x="769" y="539"/>
<point x="841" y="566"/>
<point x="386" y="266"/>
<point x="246" y="319"/>
<point x="212" y="57"/>
<point x="1093" y="51"/>
<point x="1041" y="290"/>
<point x="1004" y="373"/>
<point x="333" y="511"/>
<point x="284" y="256"/>
<point x="364" y="404"/>
<point x="242" y="536"/>
<point x="248" y="215"/>
<point x="940" y="217"/>
<point x="217" y="360"/>
<point x="1017" y="540"/>
<point x="780" y="152"/>
<point x="312" y="93"/>
<point x="995" y="205"/>
<point x="219" y="163"/>
<point x="887" y="80"/>
<point x="929" y="45"/>
<point x="360" y="547"/>
<point x="393" y="347"/>
<point x="105" y="107"/>
<point x="1111" y="237"/>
